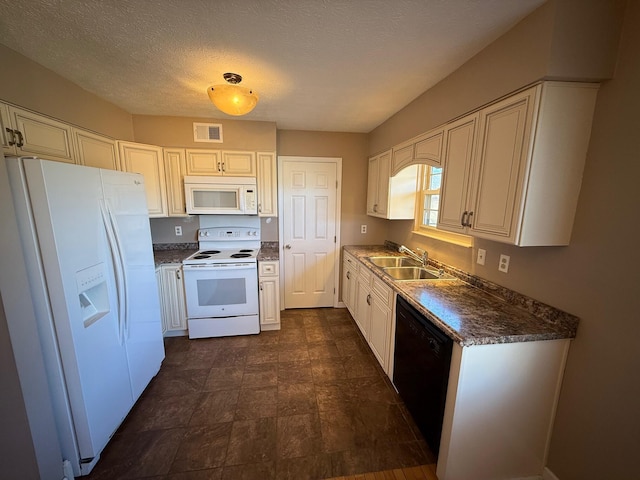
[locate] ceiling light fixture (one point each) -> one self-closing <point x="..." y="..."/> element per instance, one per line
<point x="233" y="99"/>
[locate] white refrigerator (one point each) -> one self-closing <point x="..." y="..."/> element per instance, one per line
<point x="87" y="246"/>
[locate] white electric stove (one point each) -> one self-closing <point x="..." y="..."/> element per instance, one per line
<point x="221" y="283"/>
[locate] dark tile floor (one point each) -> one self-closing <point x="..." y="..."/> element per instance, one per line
<point x="306" y="402"/>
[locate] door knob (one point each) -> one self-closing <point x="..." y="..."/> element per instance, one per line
<point x="287" y="246"/>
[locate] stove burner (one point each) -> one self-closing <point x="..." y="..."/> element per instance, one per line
<point x="200" y="257"/>
<point x="240" y="255"/>
<point x="209" y="252"/>
<point x="246" y="250"/>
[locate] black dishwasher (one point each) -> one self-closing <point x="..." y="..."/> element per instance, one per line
<point x="421" y="370"/>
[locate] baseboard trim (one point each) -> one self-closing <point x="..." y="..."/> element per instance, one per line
<point x="548" y="474"/>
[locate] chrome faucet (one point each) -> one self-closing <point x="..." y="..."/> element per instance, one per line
<point x="420" y="258"/>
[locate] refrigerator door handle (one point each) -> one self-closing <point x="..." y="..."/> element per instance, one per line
<point x="117" y="266"/>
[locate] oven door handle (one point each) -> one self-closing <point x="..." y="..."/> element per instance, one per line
<point x="220" y="267"/>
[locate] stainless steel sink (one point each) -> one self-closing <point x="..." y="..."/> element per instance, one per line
<point x="415" y="273"/>
<point x="394" y="262"/>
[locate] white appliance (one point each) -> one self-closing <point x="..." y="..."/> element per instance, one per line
<point x="87" y="246"/>
<point x="220" y="195"/>
<point x="221" y="282"/>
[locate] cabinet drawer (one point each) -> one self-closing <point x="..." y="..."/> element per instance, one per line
<point x="382" y="290"/>
<point x="268" y="269"/>
<point x="349" y="260"/>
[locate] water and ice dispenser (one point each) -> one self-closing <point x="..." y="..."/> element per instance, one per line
<point x="93" y="293"/>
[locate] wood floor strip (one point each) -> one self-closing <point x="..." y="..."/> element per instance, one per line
<point x="422" y="472"/>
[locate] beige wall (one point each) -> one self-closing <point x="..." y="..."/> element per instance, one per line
<point x="30" y="85"/>
<point x="352" y="148"/>
<point x="178" y="132"/>
<point x="597" y="277"/>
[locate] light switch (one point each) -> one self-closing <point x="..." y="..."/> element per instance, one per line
<point x="482" y="253"/>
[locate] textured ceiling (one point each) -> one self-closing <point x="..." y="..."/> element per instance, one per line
<point x="317" y="64"/>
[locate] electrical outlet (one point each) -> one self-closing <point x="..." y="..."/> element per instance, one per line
<point x="363" y="229"/>
<point x="178" y="231"/>
<point x="482" y="253"/>
<point x="503" y="266"/>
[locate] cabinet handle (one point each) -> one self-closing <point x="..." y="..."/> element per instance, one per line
<point x="219" y="169"/>
<point x="20" y="139"/>
<point x="12" y="135"/>
<point x="462" y="221"/>
<point x="349" y="275"/>
<point x="178" y="274"/>
<point x="369" y="299"/>
<point x="223" y="166"/>
<point x="287" y="246"/>
<point x="259" y="208"/>
<point x="375" y="207"/>
<point x="469" y="219"/>
<point x="260" y="286"/>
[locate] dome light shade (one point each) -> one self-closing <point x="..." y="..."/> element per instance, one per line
<point x="231" y="98"/>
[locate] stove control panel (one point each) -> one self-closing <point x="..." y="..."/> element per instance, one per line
<point x="221" y="233"/>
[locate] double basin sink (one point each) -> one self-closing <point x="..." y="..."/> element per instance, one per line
<point x="406" y="268"/>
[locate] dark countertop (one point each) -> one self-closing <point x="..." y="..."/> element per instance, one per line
<point x="172" y="255"/>
<point x="473" y="314"/>
<point x="269" y="252"/>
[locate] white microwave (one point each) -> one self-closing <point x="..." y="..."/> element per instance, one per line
<point x="220" y="195"/>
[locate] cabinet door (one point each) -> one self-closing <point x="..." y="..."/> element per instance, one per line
<point x="239" y="164"/>
<point x="204" y="162"/>
<point x="372" y="186"/>
<point x="428" y="148"/>
<point x="42" y="136"/>
<point x="269" y="303"/>
<point x="173" y="297"/>
<point x="458" y="159"/>
<point x="6" y="137"/>
<point x="348" y="286"/>
<point x="380" y="330"/>
<point x="384" y="173"/>
<point x="147" y="160"/>
<point x="95" y="150"/>
<point x="175" y="169"/>
<point x="162" y="302"/>
<point x="500" y="166"/>
<point x="267" y="185"/>
<point x="402" y="156"/>
<point x="363" y="306"/>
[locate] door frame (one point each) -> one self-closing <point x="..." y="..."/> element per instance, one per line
<point x="338" y="163"/>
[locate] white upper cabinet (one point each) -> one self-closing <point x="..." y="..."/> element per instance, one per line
<point x="175" y="170"/>
<point x="28" y="133"/>
<point x="217" y="162"/>
<point x="267" y="184"/>
<point x="425" y="148"/>
<point x="148" y="161"/>
<point x="95" y="150"/>
<point x="459" y="152"/>
<point x="390" y="197"/>
<point x="519" y="179"/>
<point x="239" y="164"/>
<point x="203" y="162"/>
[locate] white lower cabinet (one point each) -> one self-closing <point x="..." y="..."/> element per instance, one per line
<point x="172" y="300"/>
<point x="349" y="276"/>
<point x="269" y="295"/>
<point x="373" y="313"/>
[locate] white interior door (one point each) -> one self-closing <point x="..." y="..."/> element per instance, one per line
<point x="309" y="231"/>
